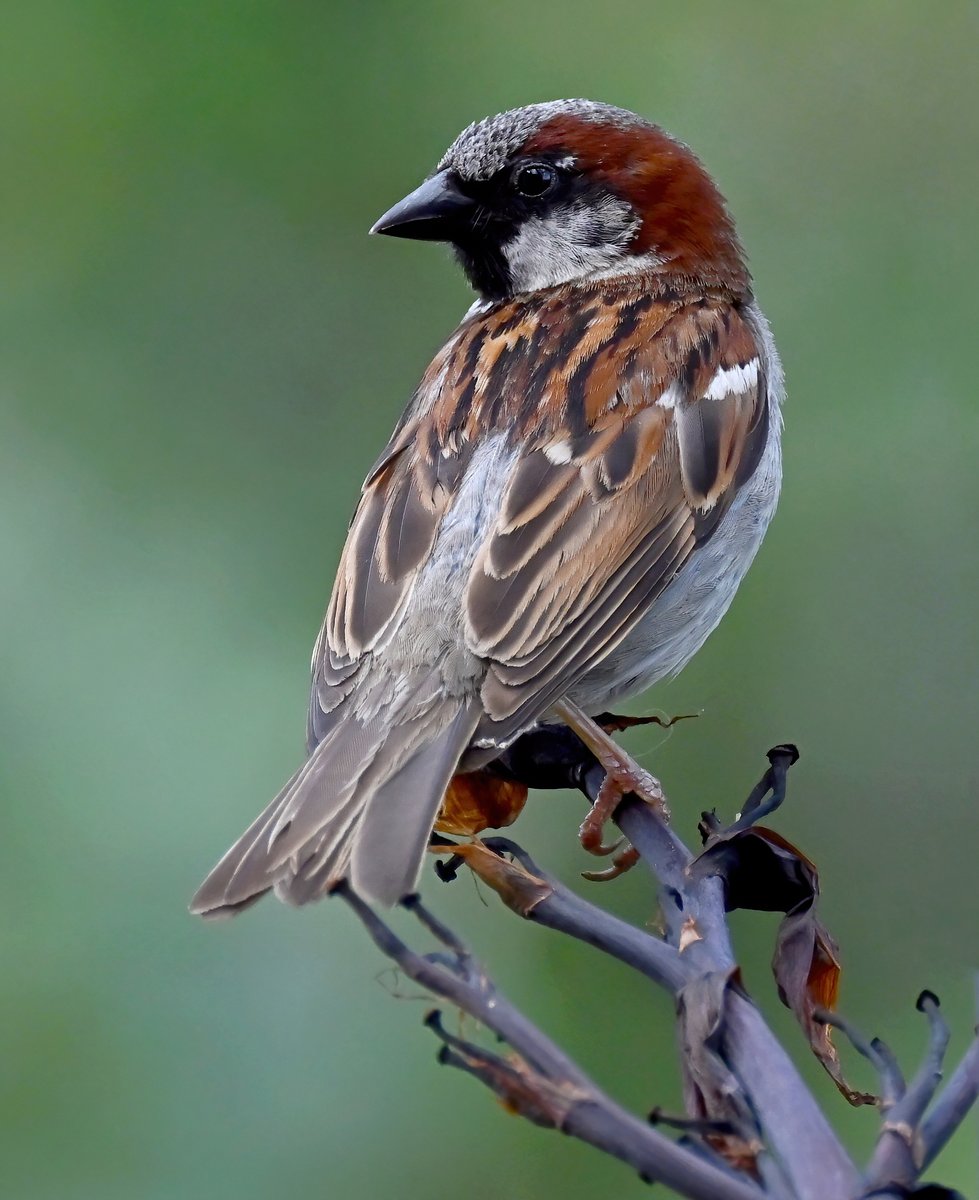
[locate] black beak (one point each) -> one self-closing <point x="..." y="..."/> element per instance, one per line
<point x="438" y="211"/>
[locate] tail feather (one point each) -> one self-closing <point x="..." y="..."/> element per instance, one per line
<point x="214" y="896"/>
<point x="339" y="764"/>
<point x="362" y="806"/>
<point x="398" y="817"/>
<point x="382" y="846"/>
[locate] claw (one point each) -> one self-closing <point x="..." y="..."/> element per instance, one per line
<point x="606" y="802"/>
<point x="590" y="836"/>
<point x="623" y="777"/>
<point x="623" y="862"/>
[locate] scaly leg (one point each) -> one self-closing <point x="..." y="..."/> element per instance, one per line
<point x="622" y="776"/>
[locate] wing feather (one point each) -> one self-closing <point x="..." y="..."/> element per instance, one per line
<point x="632" y="446"/>
<point x="595" y="526"/>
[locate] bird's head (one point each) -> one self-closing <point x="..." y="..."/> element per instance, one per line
<point x="572" y="190"/>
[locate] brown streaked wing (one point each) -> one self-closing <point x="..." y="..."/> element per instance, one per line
<point x="391" y="535"/>
<point x="594" y="525"/>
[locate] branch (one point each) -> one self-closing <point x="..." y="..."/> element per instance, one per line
<point x="542" y="1083"/>
<point x="753" y="1129"/>
<point x="952" y="1105"/>
<point x="557" y="908"/>
<point x="898" y="1156"/>
<point x="790" y="1119"/>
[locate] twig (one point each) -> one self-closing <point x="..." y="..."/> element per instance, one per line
<point x="542" y="1084"/>
<point x="877" y="1053"/>
<point x="952" y="1106"/>
<point x="898" y="1156"/>
<point x="565" y="912"/>
<point x="772" y="784"/>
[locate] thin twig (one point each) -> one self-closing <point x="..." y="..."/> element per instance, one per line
<point x="898" y="1155"/>
<point x="542" y="1083"/>
<point x="952" y="1105"/>
<point x="877" y="1053"/>
<point x="773" y="784"/>
<point x="565" y="912"/>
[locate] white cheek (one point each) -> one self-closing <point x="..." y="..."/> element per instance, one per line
<point x="550" y="250"/>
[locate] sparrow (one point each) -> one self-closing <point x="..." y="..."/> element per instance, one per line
<point x="565" y="509"/>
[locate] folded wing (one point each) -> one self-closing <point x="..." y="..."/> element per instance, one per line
<point x="595" y="522"/>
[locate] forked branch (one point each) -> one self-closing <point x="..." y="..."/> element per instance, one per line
<point x="753" y="1129"/>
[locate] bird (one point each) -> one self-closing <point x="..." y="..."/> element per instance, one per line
<point x="565" y="509"/>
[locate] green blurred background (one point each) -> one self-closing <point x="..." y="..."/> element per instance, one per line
<point x="200" y="354"/>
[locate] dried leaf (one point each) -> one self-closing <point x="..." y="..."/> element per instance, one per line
<point x="760" y="869"/>
<point x="807" y="970"/>
<point x="516" y="886"/>
<point x="480" y="800"/>
<point x="763" y="871"/>
<point x="521" y="1089"/>
<point x="711" y="1091"/>
<point x="616" y="722"/>
<point x="526" y="1093"/>
<point x="689" y="934"/>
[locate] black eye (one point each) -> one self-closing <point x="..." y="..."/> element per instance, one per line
<point x="535" y="179"/>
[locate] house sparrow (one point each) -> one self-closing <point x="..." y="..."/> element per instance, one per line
<point x="564" y="511"/>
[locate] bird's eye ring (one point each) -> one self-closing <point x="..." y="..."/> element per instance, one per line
<point x="534" y="179"/>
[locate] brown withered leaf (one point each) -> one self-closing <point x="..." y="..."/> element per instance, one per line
<point x="526" y="1093"/>
<point x="616" y="722"/>
<point x="689" y="934"/>
<point x="516" y="886"/>
<point x="710" y="1091"/>
<point x="763" y="871"/>
<point x="478" y="801"/>
<point x="520" y="1088"/>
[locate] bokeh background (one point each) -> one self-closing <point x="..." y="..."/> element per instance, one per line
<point x="200" y="354"/>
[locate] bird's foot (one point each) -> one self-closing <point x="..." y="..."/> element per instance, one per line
<point x="623" y="777"/>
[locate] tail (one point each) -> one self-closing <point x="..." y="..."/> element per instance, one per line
<point x="362" y="808"/>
